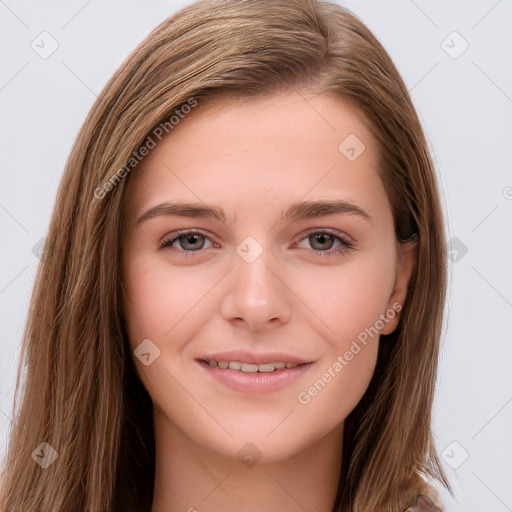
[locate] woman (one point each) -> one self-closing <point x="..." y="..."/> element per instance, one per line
<point x="240" y="301"/>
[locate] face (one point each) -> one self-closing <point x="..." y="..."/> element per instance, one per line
<point x="259" y="237"/>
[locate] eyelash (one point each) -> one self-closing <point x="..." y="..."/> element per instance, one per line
<point x="346" y="245"/>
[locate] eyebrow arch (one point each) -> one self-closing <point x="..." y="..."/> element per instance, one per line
<point x="297" y="211"/>
<point x="311" y="209"/>
<point x="184" y="210"/>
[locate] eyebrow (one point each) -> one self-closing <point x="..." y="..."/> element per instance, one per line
<point x="312" y="209"/>
<point x="297" y="211"/>
<point x="184" y="210"/>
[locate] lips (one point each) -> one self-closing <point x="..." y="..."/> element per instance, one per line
<point x="254" y="372"/>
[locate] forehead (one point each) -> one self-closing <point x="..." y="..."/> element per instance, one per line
<point x="263" y="152"/>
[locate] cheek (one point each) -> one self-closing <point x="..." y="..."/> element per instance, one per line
<point x="160" y="300"/>
<point x="350" y="303"/>
<point x="350" y="300"/>
<point x="347" y="298"/>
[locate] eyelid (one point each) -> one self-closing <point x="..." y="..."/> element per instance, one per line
<point x="328" y="231"/>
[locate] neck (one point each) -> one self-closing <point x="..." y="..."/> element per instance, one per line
<point x="192" y="478"/>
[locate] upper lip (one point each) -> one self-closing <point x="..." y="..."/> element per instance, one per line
<point x="254" y="358"/>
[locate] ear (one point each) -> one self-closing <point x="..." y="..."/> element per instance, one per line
<point x="406" y="261"/>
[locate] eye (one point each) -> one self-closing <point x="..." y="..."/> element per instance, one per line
<point x="322" y="242"/>
<point x="187" y="241"/>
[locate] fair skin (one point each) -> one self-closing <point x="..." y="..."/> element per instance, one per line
<point x="200" y="296"/>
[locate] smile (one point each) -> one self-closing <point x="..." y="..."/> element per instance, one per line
<point x="258" y="376"/>
<point x="249" y="367"/>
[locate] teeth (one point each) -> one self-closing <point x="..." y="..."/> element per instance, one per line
<point x="251" y="368"/>
<point x="268" y="367"/>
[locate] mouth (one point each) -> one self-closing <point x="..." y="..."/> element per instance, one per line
<point x="245" y="367"/>
<point x="254" y="373"/>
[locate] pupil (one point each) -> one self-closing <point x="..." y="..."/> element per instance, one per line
<point x="192" y="240"/>
<point x="321" y="239"/>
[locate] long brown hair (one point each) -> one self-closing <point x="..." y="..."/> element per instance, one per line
<point x="82" y="395"/>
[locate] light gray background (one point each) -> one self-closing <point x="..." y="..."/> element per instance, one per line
<point x="465" y="102"/>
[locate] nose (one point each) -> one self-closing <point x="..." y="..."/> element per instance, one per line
<point x="256" y="295"/>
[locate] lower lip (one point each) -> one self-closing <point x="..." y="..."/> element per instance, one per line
<point x="256" y="382"/>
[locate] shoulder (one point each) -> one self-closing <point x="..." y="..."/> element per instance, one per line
<point x="423" y="503"/>
<point x="424" y="497"/>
